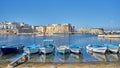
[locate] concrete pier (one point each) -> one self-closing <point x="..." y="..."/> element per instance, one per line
<point x="109" y="36"/>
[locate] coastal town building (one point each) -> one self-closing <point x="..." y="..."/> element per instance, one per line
<point x="40" y="29"/>
<point x="8" y="28"/>
<point x="21" y="27"/>
<point x="59" y="28"/>
<point x="14" y="27"/>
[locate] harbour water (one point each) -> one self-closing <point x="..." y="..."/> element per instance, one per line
<point x="78" y="39"/>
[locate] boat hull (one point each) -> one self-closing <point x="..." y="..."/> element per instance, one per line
<point x="101" y="50"/>
<point x="112" y="48"/>
<point x="31" y="50"/>
<point x="74" y="50"/>
<point x="11" y="49"/>
<point x="63" y="49"/>
<point x="46" y="50"/>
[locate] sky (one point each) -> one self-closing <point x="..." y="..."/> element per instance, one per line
<point x="80" y="13"/>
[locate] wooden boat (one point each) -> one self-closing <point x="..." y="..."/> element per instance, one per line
<point x="97" y="48"/>
<point x="75" y="49"/>
<point x="34" y="48"/>
<point x="63" y="49"/>
<point x="112" y="48"/>
<point x="47" y="47"/>
<point x="6" y="49"/>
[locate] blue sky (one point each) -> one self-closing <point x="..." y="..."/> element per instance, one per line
<point x="80" y="13"/>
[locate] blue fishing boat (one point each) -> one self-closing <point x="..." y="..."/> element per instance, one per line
<point x="112" y="48"/>
<point x="47" y="47"/>
<point x="96" y="48"/>
<point x="34" y="48"/>
<point x="5" y="49"/>
<point x="75" y="49"/>
<point x="63" y="49"/>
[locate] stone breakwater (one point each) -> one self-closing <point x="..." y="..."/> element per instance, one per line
<point x="109" y="36"/>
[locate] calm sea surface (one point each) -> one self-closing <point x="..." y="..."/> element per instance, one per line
<point x="79" y="39"/>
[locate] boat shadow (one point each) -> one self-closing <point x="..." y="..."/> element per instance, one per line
<point x="41" y="58"/>
<point x="63" y="58"/>
<point x="76" y="58"/>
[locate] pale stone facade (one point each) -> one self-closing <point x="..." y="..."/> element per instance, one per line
<point x="59" y="28"/>
<point x="8" y="25"/>
<point x="14" y="27"/>
<point x="40" y="29"/>
<point x="91" y="30"/>
<point x="8" y="31"/>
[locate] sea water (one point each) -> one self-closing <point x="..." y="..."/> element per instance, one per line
<point x="79" y="39"/>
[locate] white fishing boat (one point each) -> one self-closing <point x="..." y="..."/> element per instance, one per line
<point x="112" y="48"/>
<point x="63" y="49"/>
<point x="97" y="48"/>
<point x="34" y="48"/>
<point x="75" y="49"/>
<point x="47" y="47"/>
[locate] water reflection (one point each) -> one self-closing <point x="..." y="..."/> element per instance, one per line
<point x="63" y="58"/>
<point x="99" y="57"/>
<point x="76" y="57"/>
<point x="4" y="58"/>
<point x="78" y="39"/>
<point x="112" y="57"/>
<point x="33" y="57"/>
<point x="105" y="57"/>
<point x="46" y="58"/>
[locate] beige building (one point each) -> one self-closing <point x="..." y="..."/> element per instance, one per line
<point x="91" y="30"/>
<point x="59" y="28"/>
<point x="40" y="28"/>
<point x="14" y="27"/>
